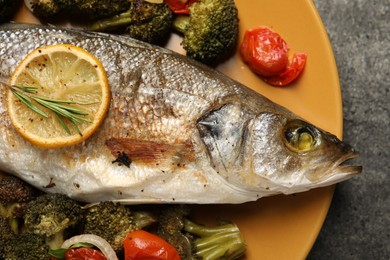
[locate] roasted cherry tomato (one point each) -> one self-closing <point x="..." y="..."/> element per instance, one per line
<point x="266" y="53"/>
<point x="291" y="73"/>
<point x="142" y="245"/>
<point x="84" y="253"/>
<point x="179" y="6"/>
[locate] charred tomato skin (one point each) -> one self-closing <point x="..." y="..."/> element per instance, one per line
<point x="142" y="245"/>
<point x="292" y="72"/>
<point x="84" y="253"/>
<point x="266" y="54"/>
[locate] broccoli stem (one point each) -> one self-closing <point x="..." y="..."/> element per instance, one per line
<point x="14" y="224"/>
<point x="216" y="242"/>
<point x="202" y="231"/>
<point x="6" y="212"/>
<point x="55" y="241"/>
<point x="144" y="219"/>
<point x="112" y="23"/>
<point x="180" y="23"/>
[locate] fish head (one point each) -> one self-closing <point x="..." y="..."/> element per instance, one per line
<point x="292" y="155"/>
<point x="275" y="152"/>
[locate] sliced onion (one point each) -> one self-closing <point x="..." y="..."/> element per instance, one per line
<point x="97" y="241"/>
<point x="155" y="1"/>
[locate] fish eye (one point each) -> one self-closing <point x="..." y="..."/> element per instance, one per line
<point x="300" y="138"/>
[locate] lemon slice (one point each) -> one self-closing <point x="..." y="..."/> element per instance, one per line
<point x="60" y="72"/>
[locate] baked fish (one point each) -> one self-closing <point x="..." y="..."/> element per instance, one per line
<point x="176" y="132"/>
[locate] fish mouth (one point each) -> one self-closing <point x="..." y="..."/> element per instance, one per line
<point x="344" y="168"/>
<point x="341" y="170"/>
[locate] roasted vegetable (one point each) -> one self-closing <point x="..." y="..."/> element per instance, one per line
<point x="141" y="244"/>
<point x="113" y="222"/>
<point x="5" y="234"/>
<point x="94" y="9"/>
<point x="266" y="54"/>
<point x="52" y="216"/>
<point x="82" y="245"/>
<point x="194" y="241"/>
<point x="8" y="9"/>
<point x="87" y="9"/>
<point x="210" y="31"/>
<point x="144" y="21"/>
<point x="44" y="9"/>
<point x="215" y="242"/>
<point x="171" y="226"/>
<point x="14" y="196"/>
<point x="179" y="6"/>
<point x="84" y="253"/>
<point x="26" y="246"/>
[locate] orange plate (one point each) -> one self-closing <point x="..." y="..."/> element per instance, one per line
<point x="282" y="227"/>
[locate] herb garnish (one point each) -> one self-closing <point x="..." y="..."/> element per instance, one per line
<point x="61" y="109"/>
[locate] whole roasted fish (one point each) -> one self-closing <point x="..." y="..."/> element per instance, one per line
<point x="176" y="131"/>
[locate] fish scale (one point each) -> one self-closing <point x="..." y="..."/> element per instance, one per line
<point x="192" y="134"/>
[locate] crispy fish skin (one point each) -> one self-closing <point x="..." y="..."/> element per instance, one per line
<point x="187" y="133"/>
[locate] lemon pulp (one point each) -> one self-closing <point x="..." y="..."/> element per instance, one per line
<point x="61" y="72"/>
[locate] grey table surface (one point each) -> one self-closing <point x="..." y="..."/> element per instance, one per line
<point x="358" y="222"/>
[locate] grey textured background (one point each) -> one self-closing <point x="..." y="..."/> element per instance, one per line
<point x="358" y="222"/>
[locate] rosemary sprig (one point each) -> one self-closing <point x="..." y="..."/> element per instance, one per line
<point x="61" y="109"/>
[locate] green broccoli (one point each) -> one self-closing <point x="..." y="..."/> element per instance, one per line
<point x="52" y="216"/>
<point x="194" y="241"/>
<point x="45" y="9"/>
<point x="223" y="241"/>
<point x="6" y="234"/>
<point x="14" y="196"/>
<point x="170" y="228"/>
<point x="210" y="31"/>
<point x="113" y="221"/>
<point x="8" y="9"/>
<point x="87" y="9"/>
<point x="148" y="22"/>
<point x="94" y="9"/>
<point x="26" y="246"/>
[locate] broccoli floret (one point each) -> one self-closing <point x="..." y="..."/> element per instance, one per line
<point x="6" y="234"/>
<point x="26" y="246"/>
<point x="148" y="22"/>
<point x="87" y="9"/>
<point x="52" y="215"/>
<point x="8" y="9"/>
<point x="195" y="241"/>
<point x="170" y="228"/>
<point x="13" y="189"/>
<point x="5" y="230"/>
<point x="14" y="196"/>
<point x="210" y="31"/>
<point x="151" y="22"/>
<point x="113" y="221"/>
<point x="94" y="9"/>
<point x="45" y="9"/>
